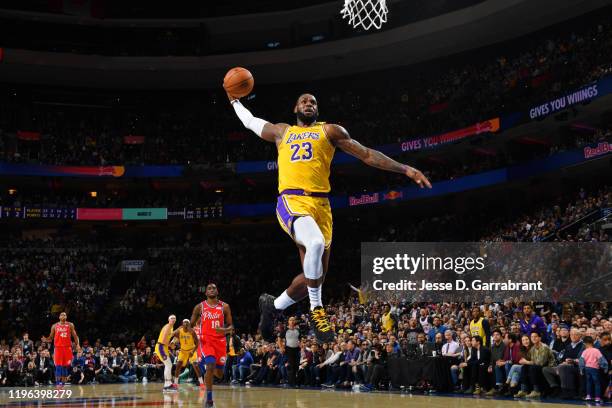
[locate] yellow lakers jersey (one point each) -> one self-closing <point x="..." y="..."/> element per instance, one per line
<point x="165" y="334"/>
<point x="477" y="329"/>
<point x="304" y="159"/>
<point x="186" y="339"/>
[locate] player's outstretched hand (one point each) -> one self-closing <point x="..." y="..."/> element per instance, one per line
<point x="418" y="177"/>
<point x="230" y="97"/>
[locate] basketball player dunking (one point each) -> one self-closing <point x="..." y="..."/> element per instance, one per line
<point x="305" y="152"/>
<point x="215" y="322"/>
<point x="62" y="334"/>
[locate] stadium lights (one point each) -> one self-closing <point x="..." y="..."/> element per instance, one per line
<point x="93" y="194"/>
<point x="12" y="191"/>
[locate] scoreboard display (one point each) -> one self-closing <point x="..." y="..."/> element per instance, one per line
<point x="72" y="213"/>
<point x="63" y="213"/>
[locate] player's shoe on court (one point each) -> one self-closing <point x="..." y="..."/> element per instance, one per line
<point x="209" y="404"/>
<point x="169" y="388"/>
<point x="322" y="329"/>
<point x="266" y="316"/>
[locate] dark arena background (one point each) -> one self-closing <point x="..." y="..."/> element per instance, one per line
<point x="129" y="183"/>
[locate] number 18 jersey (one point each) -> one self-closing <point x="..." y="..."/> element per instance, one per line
<point x="304" y="159"/>
<point x="211" y="317"/>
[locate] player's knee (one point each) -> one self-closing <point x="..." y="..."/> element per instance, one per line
<point x="316" y="245"/>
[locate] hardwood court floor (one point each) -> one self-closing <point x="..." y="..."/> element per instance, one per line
<point x="150" y="395"/>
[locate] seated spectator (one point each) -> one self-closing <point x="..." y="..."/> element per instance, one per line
<point x="29" y="374"/>
<point x="564" y="379"/>
<point x="422" y="349"/>
<point x="497" y="368"/>
<point x="378" y="367"/>
<point x="332" y="365"/>
<point x="242" y="367"/>
<point x="128" y="372"/>
<point x="561" y="341"/>
<point x="477" y="367"/>
<point x="15" y="366"/>
<point x="459" y="371"/>
<point x="282" y="364"/>
<point x="76" y="375"/>
<point x="104" y="374"/>
<point x="540" y="356"/>
<point x="44" y="369"/>
<point x="89" y="368"/>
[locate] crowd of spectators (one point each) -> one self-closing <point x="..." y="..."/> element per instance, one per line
<point x="83" y="274"/>
<point x="530" y="350"/>
<point x="183" y="128"/>
<point x="381" y="344"/>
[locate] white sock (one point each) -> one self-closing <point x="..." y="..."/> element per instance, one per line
<point x="314" y="294"/>
<point x="201" y="380"/>
<point x="283" y="301"/>
<point x="167" y="372"/>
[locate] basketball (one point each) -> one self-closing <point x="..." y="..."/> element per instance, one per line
<point x="238" y="82"/>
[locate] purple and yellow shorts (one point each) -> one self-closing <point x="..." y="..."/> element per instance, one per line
<point x="292" y="204"/>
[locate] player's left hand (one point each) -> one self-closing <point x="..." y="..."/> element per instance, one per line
<point x="418" y="177"/>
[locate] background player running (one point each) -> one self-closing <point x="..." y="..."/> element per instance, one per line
<point x="61" y="333"/>
<point x="188" y="344"/>
<point x="162" y="350"/>
<point x="305" y="152"/>
<point x="215" y="322"/>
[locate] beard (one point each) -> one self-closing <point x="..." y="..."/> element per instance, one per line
<point x="308" y="120"/>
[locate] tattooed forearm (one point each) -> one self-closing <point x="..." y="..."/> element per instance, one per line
<point x="379" y="160"/>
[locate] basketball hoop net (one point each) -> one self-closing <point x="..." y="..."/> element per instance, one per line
<point x="365" y="13"/>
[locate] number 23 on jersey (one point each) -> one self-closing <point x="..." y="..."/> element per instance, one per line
<point x="301" y="151"/>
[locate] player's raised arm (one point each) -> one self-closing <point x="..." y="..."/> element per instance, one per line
<point x="267" y="131"/>
<point x="340" y="138"/>
<point x="75" y="337"/>
<point x="195" y="315"/>
<point x="227" y="318"/>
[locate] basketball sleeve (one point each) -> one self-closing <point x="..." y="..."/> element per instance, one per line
<point x="247" y="118"/>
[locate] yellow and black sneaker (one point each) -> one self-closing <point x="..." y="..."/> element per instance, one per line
<point x="322" y="329"/>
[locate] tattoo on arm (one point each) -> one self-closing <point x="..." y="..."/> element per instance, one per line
<point x="371" y="157"/>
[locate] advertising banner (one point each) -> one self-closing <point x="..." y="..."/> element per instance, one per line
<point x="99" y="214"/>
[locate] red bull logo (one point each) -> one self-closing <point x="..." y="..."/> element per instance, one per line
<point x="364" y="199"/>
<point x="393" y="195"/>
<point x="600" y="150"/>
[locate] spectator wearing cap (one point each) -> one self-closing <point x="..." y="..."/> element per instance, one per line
<point x="561" y="341"/>
<point x="565" y="378"/>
